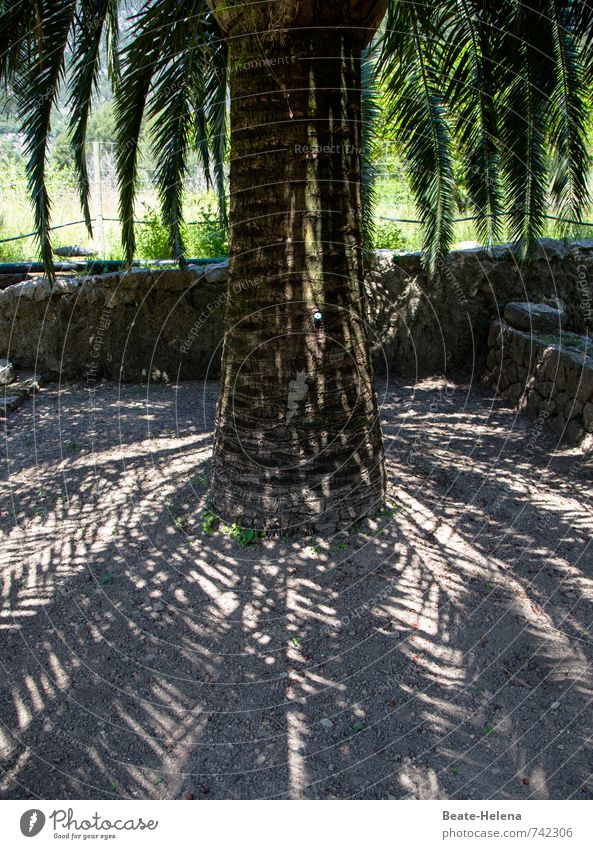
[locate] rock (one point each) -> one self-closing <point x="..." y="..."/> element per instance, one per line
<point x="470" y="246"/>
<point x="7" y="280"/>
<point x="557" y="424"/>
<point x="534" y="317"/>
<point x="217" y="273"/>
<point x="574" y="433"/>
<point x="73" y="250"/>
<point x="9" y="403"/>
<point x="158" y="606"/>
<point x="584" y="244"/>
<point x="585" y="385"/>
<point x="123" y="326"/>
<point x="327" y="724"/>
<point x="502" y="252"/>
<point x="6" y="372"/>
<point x="554" y="705"/>
<point x="513" y="392"/>
<point x="26" y="387"/>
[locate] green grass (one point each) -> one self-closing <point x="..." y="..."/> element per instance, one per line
<point x="203" y="240"/>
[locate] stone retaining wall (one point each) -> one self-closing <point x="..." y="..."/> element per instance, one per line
<point x="549" y="379"/>
<point x="169" y="323"/>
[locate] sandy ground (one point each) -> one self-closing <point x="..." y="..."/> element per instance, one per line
<point x="443" y="651"/>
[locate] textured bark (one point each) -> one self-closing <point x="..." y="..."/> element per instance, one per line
<point x="362" y="16"/>
<point x="298" y="442"/>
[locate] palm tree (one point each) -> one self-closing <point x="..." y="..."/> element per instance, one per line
<point x="500" y="85"/>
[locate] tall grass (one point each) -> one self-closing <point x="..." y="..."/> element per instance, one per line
<point x="204" y="240"/>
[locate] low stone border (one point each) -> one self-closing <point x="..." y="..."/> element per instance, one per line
<point x="168" y="324"/>
<point x="549" y="377"/>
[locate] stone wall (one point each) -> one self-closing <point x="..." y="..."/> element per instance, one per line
<point x="164" y="324"/>
<point x="548" y="375"/>
<point x="441" y="326"/>
<point x="169" y="323"/>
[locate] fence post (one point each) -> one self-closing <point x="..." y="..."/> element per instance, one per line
<point x="98" y="199"/>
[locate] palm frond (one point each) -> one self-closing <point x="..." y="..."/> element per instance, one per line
<point x="469" y="69"/>
<point x="524" y="106"/>
<point x="19" y="33"/>
<point x="36" y="89"/>
<point x="567" y="114"/>
<point x="89" y="30"/>
<point x="420" y="122"/>
<point x="166" y="66"/>
<point x="171" y="115"/>
<point x="370" y="113"/>
<point x="216" y="116"/>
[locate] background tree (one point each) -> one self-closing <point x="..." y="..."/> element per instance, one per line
<point x="506" y="84"/>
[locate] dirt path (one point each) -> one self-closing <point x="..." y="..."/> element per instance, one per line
<point x="442" y="652"/>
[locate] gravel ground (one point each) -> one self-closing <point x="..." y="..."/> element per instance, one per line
<point x="441" y="651"/>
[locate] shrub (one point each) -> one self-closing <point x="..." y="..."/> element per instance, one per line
<point x="203" y="239"/>
<point x="389" y="236"/>
<point x="10" y="251"/>
<point x="152" y="237"/>
<point x="207" y="237"/>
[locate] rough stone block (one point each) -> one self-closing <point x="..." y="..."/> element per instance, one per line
<point x="534" y="317"/>
<point x="513" y="392"/>
<point x="574" y="432"/>
<point x="217" y="273"/>
<point x="9" y="403"/>
<point x="557" y="424"/>
<point x="584" y="391"/>
<point x="6" y="372"/>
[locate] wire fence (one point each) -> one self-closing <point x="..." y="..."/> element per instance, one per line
<point x="93" y="221"/>
<point x="571" y="221"/>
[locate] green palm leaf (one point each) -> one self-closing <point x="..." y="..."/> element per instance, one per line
<point x="36" y="89"/>
<point x="524" y="105"/>
<point x="420" y="124"/>
<point x="370" y="113"/>
<point x="93" y="19"/>
<point x="468" y="66"/>
<point x="567" y="114"/>
<point x="171" y="62"/>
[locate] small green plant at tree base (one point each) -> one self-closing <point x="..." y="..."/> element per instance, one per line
<point x="209" y="522"/>
<point x="244" y="536"/>
<point x="106" y="580"/>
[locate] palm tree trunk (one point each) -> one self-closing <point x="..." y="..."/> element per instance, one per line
<point x="298" y="443"/>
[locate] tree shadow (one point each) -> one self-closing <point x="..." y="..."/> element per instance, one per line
<point x="440" y="651"/>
